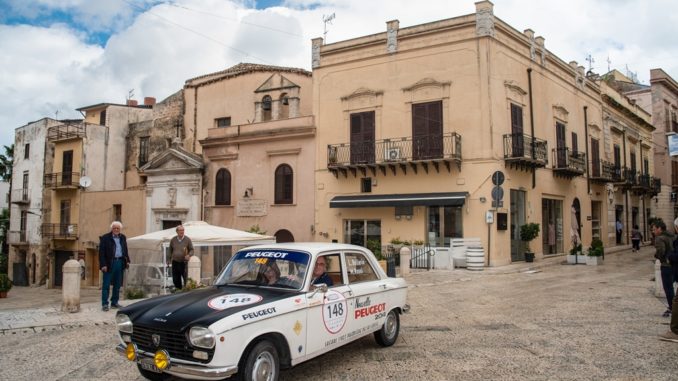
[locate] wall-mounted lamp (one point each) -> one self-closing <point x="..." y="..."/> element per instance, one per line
<point x="248" y="192"/>
<point x="483" y="199"/>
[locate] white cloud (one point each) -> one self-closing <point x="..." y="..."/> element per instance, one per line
<point x="45" y="69"/>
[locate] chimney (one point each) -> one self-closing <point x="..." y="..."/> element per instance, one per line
<point x="149" y="101"/>
<point x="132" y="102"/>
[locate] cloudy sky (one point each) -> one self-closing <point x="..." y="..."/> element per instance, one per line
<point x="59" y="55"/>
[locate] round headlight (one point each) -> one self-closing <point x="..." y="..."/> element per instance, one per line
<point x="131" y="352"/>
<point x="201" y="337"/>
<point x="161" y="359"/>
<point x="124" y="323"/>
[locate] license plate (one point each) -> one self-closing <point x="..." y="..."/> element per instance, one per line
<point x="145" y="365"/>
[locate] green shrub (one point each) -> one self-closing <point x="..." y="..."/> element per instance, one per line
<point x="191" y="284"/>
<point x="596" y="249"/>
<point x="134" y="293"/>
<point x="374" y="245"/>
<point x="528" y="232"/>
<point x="5" y="282"/>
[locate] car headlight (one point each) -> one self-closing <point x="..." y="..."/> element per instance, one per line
<point x="201" y="337"/>
<point x="124" y="323"/>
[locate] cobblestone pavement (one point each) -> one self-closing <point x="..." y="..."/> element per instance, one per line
<point x="541" y="321"/>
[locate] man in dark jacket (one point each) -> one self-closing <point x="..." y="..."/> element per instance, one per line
<point x="113" y="260"/>
<point x="663" y="244"/>
<point x="672" y="333"/>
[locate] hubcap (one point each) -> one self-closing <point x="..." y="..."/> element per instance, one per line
<point x="264" y="369"/>
<point x="390" y="325"/>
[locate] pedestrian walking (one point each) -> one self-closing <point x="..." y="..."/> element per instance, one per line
<point x="636" y="237"/>
<point x="113" y="260"/>
<point x="663" y="244"/>
<point x="672" y="333"/>
<point x="181" y="250"/>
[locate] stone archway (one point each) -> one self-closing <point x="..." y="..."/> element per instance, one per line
<point x="283" y="235"/>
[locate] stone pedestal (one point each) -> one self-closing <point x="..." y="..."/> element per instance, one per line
<point x="194" y="269"/>
<point x="405" y="256"/>
<point x="71" y="286"/>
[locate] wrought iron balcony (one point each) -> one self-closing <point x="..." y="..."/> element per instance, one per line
<point x="602" y="171"/>
<point x="656" y="186"/>
<point x="60" y="231"/>
<point x="625" y="177"/>
<point x="62" y="180"/>
<point x="568" y="163"/>
<point x="21" y="196"/>
<point x="395" y="153"/>
<point x="524" y="151"/>
<point x="66" y="131"/>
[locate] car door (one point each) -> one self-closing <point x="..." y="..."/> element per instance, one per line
<point x="368" y="291"/>
<point x="328" y="313"/>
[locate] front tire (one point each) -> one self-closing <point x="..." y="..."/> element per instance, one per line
<point x="261" y="364"/>
<point x="388" y="334"/>
<point x="147" y="374"/>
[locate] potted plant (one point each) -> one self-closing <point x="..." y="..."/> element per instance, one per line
<point x="374" y="245"/>
<point x="576" y="256"/>
<point x="594" y="256"/>
<point x="528" y="232"/>
<point x="5" y="285"/>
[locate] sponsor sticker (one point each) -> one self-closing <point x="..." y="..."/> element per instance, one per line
<point x="223" y="302"/>
<point x="256" y="314"/>
<point x="335" y="311"/>
<point x="297" y="328"/>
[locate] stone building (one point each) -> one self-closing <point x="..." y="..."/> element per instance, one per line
<point x="660" y="99"/>
<point x="468" y="128"/>
<point x="255" y="130"/>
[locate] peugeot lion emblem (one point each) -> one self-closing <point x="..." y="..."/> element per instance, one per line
<point x="156" y="339"/>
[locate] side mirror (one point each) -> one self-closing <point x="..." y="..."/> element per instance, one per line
<point x="322" y="287"/>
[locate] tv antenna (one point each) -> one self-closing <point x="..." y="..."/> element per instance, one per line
<point x="608" y="63"/>
<point x="327" y="20"/>
<point x="130" y="94"/>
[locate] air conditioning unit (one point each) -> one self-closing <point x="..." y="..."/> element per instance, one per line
<point x="392" y="154"/>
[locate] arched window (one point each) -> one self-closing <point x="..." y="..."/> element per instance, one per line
<point x="222" y="194"/>
<point x="284" y="184"/>
<point x="283" y="235"/>
<point x="266" y="107"/>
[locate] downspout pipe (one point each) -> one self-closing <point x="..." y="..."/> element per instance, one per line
<point x="626" y="192"/>
<point x="586" y="145"/>
<point x="529" y="90"/>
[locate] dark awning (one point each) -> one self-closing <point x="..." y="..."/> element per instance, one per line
<point x="414" y="199"/>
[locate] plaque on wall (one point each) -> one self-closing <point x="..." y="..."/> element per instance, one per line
<point x="251" y="208"/>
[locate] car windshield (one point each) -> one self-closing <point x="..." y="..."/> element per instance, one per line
<point x="267" y="268"/>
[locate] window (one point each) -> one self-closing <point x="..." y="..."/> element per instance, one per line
<point x="102" y="118"/>
<point x="223" y="188"/>
<point x="332" y="268"/>
<point x="117" y="212"/>
<point x="27" y="150"/>
<point x="366" y="184"/>
<point x="561" y="148"/>
<point x="575" y="143"/>
<point x="595" y="158"/>
<point x="362" y="137"/>
<point x="359" y="269"/>
<point x="284" y="106"/>
<point x="284" y="184"/>
<point x="143" y="150"/>
<point x="632" y="155"/>
<point x="427" y="130"/>
<point x="517" y="147"/>
<point x="223" y="122"/>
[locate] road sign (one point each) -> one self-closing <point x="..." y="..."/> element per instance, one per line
<point x="498" y="178"/>
<point x="497" y="193"/>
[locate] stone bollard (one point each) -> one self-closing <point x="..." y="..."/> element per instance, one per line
<point x="658" y="288"/>
<point x="71" y="286"/>
<point x="194" y="269"/>
<point x="405" y="256"/>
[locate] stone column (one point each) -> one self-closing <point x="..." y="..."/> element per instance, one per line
<point x="405" y="256"/>
<point x="194" y="269"/>
<point x="71" y="286"/>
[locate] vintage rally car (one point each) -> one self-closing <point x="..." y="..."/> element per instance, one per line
<point x="272" y="307"/>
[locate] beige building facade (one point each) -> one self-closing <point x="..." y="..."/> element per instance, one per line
<point x="467" y="128"/>
<point x="256" y="132"/>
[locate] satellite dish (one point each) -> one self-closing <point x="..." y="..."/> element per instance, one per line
<point x="85" y="181"/>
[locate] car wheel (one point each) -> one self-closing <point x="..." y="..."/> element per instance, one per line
<point x="262" y="363"/>
<point x="388" y="334"/>
<point x="152" y="375"/>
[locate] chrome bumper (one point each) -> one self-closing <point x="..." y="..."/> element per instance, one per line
<point x="185" y="369"/>
<point x="406" y="308"/>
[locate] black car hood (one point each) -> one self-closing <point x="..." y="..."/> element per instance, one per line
<point x="199" y="307"/>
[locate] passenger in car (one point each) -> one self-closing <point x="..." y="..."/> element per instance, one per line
<point x="320" y="274"/>
<point x="271" y="273"/>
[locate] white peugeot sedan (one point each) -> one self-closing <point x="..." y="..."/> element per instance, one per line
<point x="272" y="307"/>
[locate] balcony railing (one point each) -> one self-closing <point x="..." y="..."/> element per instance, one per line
<point x="60" y="231"/>
<point x="16" y="237"/>
<point x="66" y="131"/>
<point x="656" y="186"/>
<point x="21" y="196"/>
<point x="62" y="180"/>
<point x="525" y="151"/>
<point x="602" y="171"/>
<point x="568" y="163"/>
<point x="389" y="153"/>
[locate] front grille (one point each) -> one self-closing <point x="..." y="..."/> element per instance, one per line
<point x="175" y="343"/>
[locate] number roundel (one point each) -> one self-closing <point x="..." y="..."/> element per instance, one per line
<point x="335" y="311"/>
